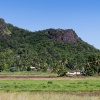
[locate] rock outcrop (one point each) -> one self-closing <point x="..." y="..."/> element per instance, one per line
<point x="4" y="32"/>
<point x="68" y="36"/>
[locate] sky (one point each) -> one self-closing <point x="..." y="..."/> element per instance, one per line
<point x="83" y="16"/>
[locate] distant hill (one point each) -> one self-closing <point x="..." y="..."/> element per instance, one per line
<point x="48" y="49"/>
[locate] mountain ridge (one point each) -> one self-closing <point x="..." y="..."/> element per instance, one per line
<point x="48" y="49"/>
<point x="66" y="36"/>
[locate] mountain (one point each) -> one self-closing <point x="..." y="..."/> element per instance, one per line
<point x="48" y="49"/>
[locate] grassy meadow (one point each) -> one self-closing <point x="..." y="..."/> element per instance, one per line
<point x="88" y="85"/>
<point x="66" y="88"/>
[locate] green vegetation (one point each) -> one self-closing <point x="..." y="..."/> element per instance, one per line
<point x="50" y="85"/>
<point x="40" y="73"/>
<point x="93" y="65"/>
<point x="22" y="49"/>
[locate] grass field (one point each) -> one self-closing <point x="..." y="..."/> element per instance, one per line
<point x="28" y="73"/>
<point x="67" y="88"/>
<point x="47" y="96"/>
<point x="88" y="85"/>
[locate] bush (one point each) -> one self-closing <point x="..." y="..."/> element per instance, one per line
<point x="89" y="71"/>
<point x="62" y="72"/>
<point x="50" y="82"/>
<point x="1" y="69"/>
<point x="28" y="69"/>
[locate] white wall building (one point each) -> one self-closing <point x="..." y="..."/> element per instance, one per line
<point x="73" y="73"/>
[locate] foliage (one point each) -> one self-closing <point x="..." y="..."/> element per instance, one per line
<point x="89" y="71"/>
<point x="62" y="72"/>
<point x="28" y="69"/>
<point x="92" y="65"/>
<point x="1" y="68"/>
<point x="23" y="49"/>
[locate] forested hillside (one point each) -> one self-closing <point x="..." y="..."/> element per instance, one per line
<point x="47" y="50"/>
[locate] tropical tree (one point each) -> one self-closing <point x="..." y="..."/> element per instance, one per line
<point x="92" y="65"/>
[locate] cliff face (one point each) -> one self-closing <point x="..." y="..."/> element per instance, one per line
<point x="4" y="32"/>
<point x="68" y="36"/>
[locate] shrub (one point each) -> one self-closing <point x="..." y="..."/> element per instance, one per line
<point x="62" y="72"/>
<point x="89" y="71"/>
<point x="28" y="69"/>
<point x="1" y="69"/>
<point x="50" y="82"/>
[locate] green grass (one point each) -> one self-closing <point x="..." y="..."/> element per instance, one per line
<point x="28" y="73"/>
<point x="50" y="86"/>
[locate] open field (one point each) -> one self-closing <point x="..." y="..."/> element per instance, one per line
<point x="48" y="96"/>
<point x="50" y="85"/>
<point x="44" y="88"/>
<point x="47" y="86"/>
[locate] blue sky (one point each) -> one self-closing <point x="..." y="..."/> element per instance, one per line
<point x="83" y="16"/>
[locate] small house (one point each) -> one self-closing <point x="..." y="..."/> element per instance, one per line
<point x="73" y="73"/>
<point x="33" y="68"/>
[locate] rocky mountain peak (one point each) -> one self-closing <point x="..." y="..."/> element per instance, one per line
<point x="68" y="36"/>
